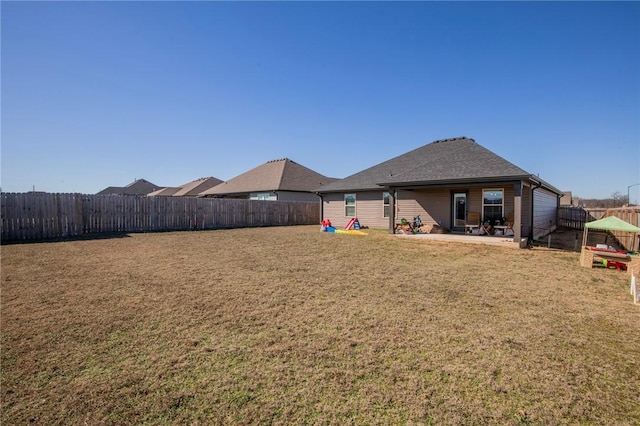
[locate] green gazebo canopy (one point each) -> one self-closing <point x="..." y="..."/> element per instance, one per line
<point x="612" y="223"/>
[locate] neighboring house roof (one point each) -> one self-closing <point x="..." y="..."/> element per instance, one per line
<point x="195" y="187"/>
<point x="566" y="199"/>
<point x="192" y="188"/>
<point x="137" y="187"/>
<point x="164" y="192"/>
<point x="275" y="175"/>
<point x="443" y="161"/>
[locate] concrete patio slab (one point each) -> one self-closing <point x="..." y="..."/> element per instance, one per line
<point x="469" y="239"/>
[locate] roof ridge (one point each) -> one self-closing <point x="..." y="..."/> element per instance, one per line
<point x="453" y="139"/>
<point x="284" y="166"/>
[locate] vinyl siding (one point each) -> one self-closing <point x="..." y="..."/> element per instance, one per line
<point x="297" y="196"/>
<point x="545" y="210"/>
<point x="526" y="212"/>
<point x="433" y="206"/>
<point x="369" y="210"/>
<point x="333" y="209"/>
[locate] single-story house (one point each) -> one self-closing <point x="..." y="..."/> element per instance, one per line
<point x="566" y="199"/>
<point x="442" y="182"/>
<point x="137" y="187"/>
<point x="281" y="179"/>
<point x="190" y="189"/>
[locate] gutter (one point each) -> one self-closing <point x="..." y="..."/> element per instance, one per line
<point x="545" y="185"/>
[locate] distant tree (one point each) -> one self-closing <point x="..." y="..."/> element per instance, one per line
<point x="618" y="199"/>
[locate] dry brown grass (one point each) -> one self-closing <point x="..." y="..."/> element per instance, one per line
<point x="290" y="325"/>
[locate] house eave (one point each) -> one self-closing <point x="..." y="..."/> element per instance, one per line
<point x="345" y="190"/>
<point x="545" y="185"/>
<point x="453" y="182"/>
<point x="463" y="182"/>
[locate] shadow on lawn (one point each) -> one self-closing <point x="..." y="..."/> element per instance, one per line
<point x="83" y="237"/>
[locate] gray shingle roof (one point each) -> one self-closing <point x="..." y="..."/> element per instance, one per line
<point x="195" y="187"/>
<point x="137" y="187"/>
<point x="275" y="175"/>
<point x="456" y="159"/>
<point x="164" y="192"/>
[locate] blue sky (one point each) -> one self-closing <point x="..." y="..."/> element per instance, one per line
<point x="96" y="94"/>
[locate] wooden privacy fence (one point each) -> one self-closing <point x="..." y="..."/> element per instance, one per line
<point x="572" y="217"/>
<point x="36" y="216"/>
<point x="630" y="215"/>
<point x="576" y="217"/>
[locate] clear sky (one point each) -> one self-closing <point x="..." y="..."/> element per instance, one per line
<point x="97" y="94"/>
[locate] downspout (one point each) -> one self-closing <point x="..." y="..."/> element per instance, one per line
<point x="558" y="196"/>
<point x="321" y="206"/>
<point x="392" y="210"/>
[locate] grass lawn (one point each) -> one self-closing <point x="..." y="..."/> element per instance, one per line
<point x="290" y="325"/>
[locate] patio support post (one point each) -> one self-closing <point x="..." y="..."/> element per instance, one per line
<point x="392" y="211"/>
<point x="517" y="211"/>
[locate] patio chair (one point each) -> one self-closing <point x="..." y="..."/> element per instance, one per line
<point x="472" y="223"/>
<point x="509" y="223"/>
<point x="486" y="227"/>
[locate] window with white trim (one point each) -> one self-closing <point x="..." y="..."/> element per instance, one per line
<point x="492" y="205"/>
<point x="264" y="196"/>
<point x="385" y="204"/>
<point x="350" y="205"/>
